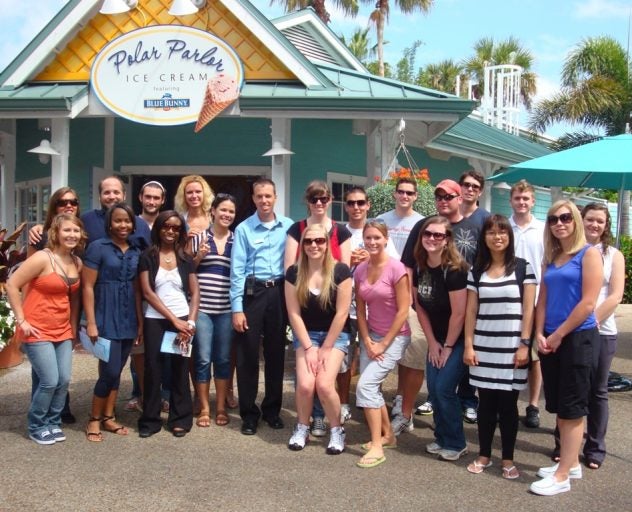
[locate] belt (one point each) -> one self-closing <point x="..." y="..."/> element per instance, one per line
<point x="269" y="283"/>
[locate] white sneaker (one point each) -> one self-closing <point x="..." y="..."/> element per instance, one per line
<point x="452" y="454"/>
<point x="345" y="413"/>
<point x="469" y="415"/>
<point x="575" y="472"/>
<point x="336" y="441"/>
<point x="299" y="437"/>
<point x="424" y="409"/>
<point x="433" y="448"/>
<point x="397" y="406"/>
<point x="319" y="429"/>
<point x="401" y="424"/>
<point x="550" y="487"/>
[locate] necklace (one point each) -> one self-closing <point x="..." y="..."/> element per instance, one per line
<point x="168" y="259"/>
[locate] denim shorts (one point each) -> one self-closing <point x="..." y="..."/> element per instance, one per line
<point x="317" y="338"/>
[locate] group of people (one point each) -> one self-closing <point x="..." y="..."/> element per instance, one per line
<point x="478" y="304"/>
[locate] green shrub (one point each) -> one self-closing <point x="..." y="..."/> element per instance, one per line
<point x="381" y="194"/>
<point x="626" y="249"/>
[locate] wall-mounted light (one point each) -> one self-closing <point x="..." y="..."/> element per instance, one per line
<point x="277" y="152"/>
<point x="44" y="151"/>
<point x="184" y="7"/>
<point x="117" y="6"/>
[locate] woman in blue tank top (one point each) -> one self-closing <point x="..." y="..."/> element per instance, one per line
<point x="567" y="335"/>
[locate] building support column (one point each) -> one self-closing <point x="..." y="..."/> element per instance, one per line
<point x="281" y="136"/>
<point x="7" y="176"/>
<point x="487" y="169"/>
<point x="60" y="140"/>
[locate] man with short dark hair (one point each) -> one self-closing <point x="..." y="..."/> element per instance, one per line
<point x="258" y="306"/>
<point x="152" y="198"/>
<point x="472" y="183"/>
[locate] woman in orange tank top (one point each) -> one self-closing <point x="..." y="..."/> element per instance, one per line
<point x="47" y="319"/>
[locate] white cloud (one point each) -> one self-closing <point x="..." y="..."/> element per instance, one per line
<point x="592" y="9"/>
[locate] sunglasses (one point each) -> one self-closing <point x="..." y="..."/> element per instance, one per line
<point x="434" y="235"/>
<point x="171" y="227"/>
<point x="473" y="186"/>
<point x="445" y="197"/>
<point x="318" y="241"/>
<point x="566" y="218"/>
<point x="66" y="202"/>
<point x="408" y="193"/>
<point x="359" y="203"/>
<point x="316" y="200"/>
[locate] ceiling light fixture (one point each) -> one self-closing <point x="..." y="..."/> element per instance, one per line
<point x="184" y="7"/>
<point x="44" y="151"/>
<point x="117" y="6"/>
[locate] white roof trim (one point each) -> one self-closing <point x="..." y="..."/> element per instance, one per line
<point x="52" y="44"/>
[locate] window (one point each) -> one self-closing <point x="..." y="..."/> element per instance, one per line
<point x="339" y="184"/>
<point x="31" y="202"/>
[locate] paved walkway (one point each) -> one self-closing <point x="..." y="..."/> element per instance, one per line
<point x="219" y="469"/>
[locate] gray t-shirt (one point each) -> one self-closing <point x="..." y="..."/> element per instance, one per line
<point x="399" y="228"/>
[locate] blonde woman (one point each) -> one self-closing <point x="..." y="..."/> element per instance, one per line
<point x="567" y="335"/>
<point x="318" y="296"/>
<point x="193" y="201"/>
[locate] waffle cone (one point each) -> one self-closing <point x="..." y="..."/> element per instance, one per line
<point x="220" y="93"/>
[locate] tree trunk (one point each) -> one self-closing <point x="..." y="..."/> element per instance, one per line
<point x="624" y="229"/>
<point x="380" y="45"/>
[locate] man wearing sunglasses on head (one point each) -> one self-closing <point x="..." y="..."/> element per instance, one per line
<point x="472" y="183"/>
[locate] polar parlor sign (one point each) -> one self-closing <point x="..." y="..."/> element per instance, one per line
<point x="166" y="75"/>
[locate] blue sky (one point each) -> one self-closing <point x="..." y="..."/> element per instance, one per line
<point x="548" y="28"/>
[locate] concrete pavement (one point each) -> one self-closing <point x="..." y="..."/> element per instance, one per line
<point x="220" y="469"/>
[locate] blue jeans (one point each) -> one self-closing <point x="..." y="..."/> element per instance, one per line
<point x="442" y="383"/>
<point x="52" y="363"/>
<point x="213" y="338"/>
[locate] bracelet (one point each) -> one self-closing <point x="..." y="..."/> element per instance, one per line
<point x="306" y="349"/>
<point x="448" y="346"/>
<point x="525" y="341"/>
<point x="191" y="323"/>
<point x="20" y="322"/>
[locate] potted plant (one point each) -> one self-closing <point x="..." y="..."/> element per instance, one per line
<point x="10" y="354"/>
<point x="381" y="194"/>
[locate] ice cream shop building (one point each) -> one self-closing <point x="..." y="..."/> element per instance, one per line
<point x="222" y="92"/>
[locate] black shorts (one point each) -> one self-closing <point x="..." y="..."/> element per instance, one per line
<point x="567" y="374"/>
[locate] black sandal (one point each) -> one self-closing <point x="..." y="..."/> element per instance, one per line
<point x="592" y="464"/>
<point x="93" y="437"/>
<point x="120" y="430"/>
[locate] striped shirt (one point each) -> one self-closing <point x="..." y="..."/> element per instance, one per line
<point x="213" y="275"/>
<point x="498" y="331"/>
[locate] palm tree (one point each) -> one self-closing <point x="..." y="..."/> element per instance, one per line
<point x="441" y="76"/>
<point x="596" y="93"/>
<point x="510" y="51"/>
<point x="379" y="17"/>
<point x="349" y="7"/>
<point x="359" y="44"/>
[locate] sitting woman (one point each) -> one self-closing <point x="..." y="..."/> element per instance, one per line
<point x="47" y="322"/>
<point x="112" y="306"/>
<point x="498" y="323"/>
<point x="170" y="287"/>
<point x="318" y="296"/>
<point x="383" y="299"/>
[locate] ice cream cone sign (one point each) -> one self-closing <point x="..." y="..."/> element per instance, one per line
<point x="221" y="91"/>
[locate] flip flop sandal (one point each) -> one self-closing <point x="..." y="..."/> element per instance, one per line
<point x="370" y="462"/>
<point x="592" y="464"/>
<point x="367" y="446"/>
<point x="119" y="430"/>
<point x="510" y="473"/>
<point x="221" y="418"/>
<point x="203" y="420"/>
<point x="93" y="437"/>
<point x="477" y="468"/>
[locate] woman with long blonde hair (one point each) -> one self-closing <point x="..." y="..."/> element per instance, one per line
<point x="193" y="201"/>
<point x="318" y="296"/>
<point x="567" y="335"/>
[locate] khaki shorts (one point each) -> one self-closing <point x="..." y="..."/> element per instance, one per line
<point x="415" y="355"/>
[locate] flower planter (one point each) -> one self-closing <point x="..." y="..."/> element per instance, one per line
<point x="11" y="355"/>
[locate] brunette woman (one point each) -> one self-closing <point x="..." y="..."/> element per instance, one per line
<point x="383" y="299"/>
<point x="170" y="287"/>
<point x="63" y="200"/>
<point x="598" y="228"/>
<point x="567" y="335"/>
<point x="112" y="306"/>
<point x="47" y="322"/>
<point x="213" y="337"/>
<point x="440" y="280"/>
<point x="318" y="297"/>
<point x="498" y="323"/>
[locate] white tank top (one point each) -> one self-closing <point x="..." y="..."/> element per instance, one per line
<point x="608" y="327"/>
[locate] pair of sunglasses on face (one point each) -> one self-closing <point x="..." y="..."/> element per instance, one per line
<point x="565" y="218"/>
<point x="321" y="200"/>
<point x="66" y="202"/>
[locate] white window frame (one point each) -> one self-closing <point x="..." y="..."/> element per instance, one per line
<point x="343" y="179"/>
